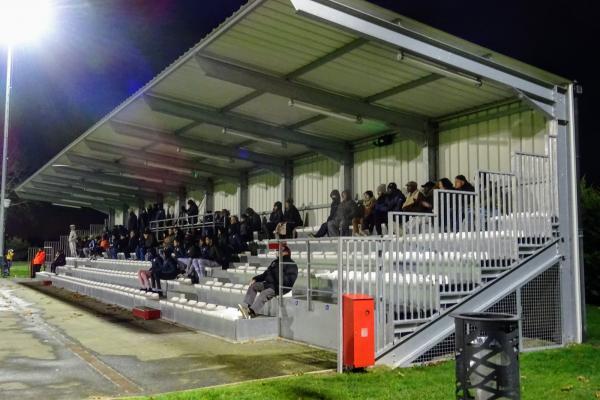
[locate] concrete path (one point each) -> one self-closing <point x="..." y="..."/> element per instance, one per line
<point x="59" y="345"/>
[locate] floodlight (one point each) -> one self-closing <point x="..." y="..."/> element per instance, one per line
<point x="24" y="20"/>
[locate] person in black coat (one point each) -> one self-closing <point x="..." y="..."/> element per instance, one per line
<point x="335" y="202"/>
<point x="163" y="269"/>
<point x="142" y="220"/>
<point x="192" y="212"/>
<point x="340" y="224"/>
<point x="381" y="209"/>
<point x="461" y="183"/>
<point x="274" y="219"/>
<point x="395" y="198"/>
<point x="291" y="220"/>
<point x="253" y="221"/>
<point x="132" y="222"/>
<point x="267" y="284"/>
<point x="59" y="261"/>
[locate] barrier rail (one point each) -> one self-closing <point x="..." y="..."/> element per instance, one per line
<point x="210" y="220"/>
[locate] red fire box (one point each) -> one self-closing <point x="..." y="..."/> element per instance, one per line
<point x="146" y="313"/>
<point x="359" y="330"/>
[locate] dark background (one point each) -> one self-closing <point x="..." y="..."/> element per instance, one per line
<point x="102" y="51"/>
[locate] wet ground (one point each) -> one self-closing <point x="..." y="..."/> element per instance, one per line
<point x="59" y="345"/>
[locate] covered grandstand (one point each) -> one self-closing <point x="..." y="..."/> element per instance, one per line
<point x="287" y="98"/>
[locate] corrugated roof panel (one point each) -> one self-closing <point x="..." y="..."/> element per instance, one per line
<point x="139" y="113"/>
<point x="290" y="150"/>
<point x="345" y="130"/>
<point x="212" y="134"/>
<point x="105" y="134"/>
<point x="171" y="151"/>
<point x="190" y="84"/>
<point x="274" y="109"/>
<point x="365" y="71"/>
<point x="274" y="39"/>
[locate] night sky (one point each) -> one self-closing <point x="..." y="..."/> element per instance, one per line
<point x="101" y="51"/>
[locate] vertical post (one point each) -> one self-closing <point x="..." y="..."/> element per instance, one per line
<point x="288" y="183"/>
<point x="280" y="284"/>
<point x="209" y="194"/>
<point x="347" y="172"/>
<point x="340" y="352"/>
<point x="243" y="198"/>
<point x="571" y="292"/>
<point x="5" y="150"/>
<point x="308" y="271"/>
<point x="430" y="153"/>
<point x="181" y="201"/>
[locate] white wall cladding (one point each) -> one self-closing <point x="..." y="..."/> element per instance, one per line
<point x="399" y="162"/>
<point x="314" y="179"/>
<point x="264" y="190"/>
<point x="489" y="144"/>
<point x="227" y="196"/>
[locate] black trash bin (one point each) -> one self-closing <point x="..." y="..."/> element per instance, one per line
<point x="487" y="356"/>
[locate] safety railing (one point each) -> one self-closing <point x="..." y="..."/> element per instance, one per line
<point x="205" y="221"/>
<point x="534" y="197"/>
<point x="309" y="219"/>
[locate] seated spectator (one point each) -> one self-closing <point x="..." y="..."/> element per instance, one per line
<point x="335" y="202"/>
<point x="267" y="284"/>
<point x="104" y="244"/>
<point x="274" y="219"/>
<point x="445" y="184"/>
<point x="38" y="262"/>
<point x="427" y="201"/>
<point x="147" y="242"/>
<point x="59" y="260"/>
<point x="381" y="209"/>
<point x="213" y="256"/>
<point x="291" y="220"/>
<point x="145" y="275"/>
<point x="112" y="247"/>
<point x="395" y="198"/>
<point x="93" y="248"/>
<point x="163" y="269"/>
<point x="461" y="183"/>
<point x="131" y="244"/>
<point x="168" y="238"/>
<point x="340" y="224"/>
<point x="414" y="199"/>
<point x="364" y="220"/>
<point x="253" y="221"/>
<point x="245" y="230"/>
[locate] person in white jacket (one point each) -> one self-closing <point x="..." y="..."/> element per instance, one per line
<point x="73" y="241"/>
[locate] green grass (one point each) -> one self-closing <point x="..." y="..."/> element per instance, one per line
<point x="20" y="269"/>
<point x="567" y="373"/>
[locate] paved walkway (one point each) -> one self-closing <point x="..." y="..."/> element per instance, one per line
<point x="59" y="345"/>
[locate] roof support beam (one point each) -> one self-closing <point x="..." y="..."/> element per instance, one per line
<point x="330" y="148"/>
<point x="280" y="86"/>
<point x="46" y="198"/>
<point x="152" y="173"/>
<point x="174" y="162"/>
<point x="403" y="87"/>
<point x="273" y="163"/>
<point x="57" y="195"/>
<point x="72" y="190"/>
<point x="88" y="184"/>
<point x="153" y="186"/>
<point x="369" y="26"/>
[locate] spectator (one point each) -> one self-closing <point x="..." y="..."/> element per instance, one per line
<point x="8" y="260"/>
<point x="381" y="209"/>
<point x="73" y="241"/>
<point x="122" y="245"/>
<point x="253" y="221"/>
<point x="364" y="220"/>
<point x="444" y="184"/>
<point x="335" y="202"/>
<point x="291" y="220"/>
<point x="413" y="202"/>
<point x="192" y="212"/>
<point x="163" y="269"/>
<point x="38" y="262"/>
<point x="212" y="257"/>
<point x="395" y="198"/>
<point x="340" y="224"/>
<point x="169" y="237"/>
<point x="245" y="231"/>
<point x="104" y="244"/>
<point x="132" y="244"/>
<point x="274" y="219"/>
<point x="59" y="261"/>
<point x="145" y="275"/>
<point x="132" y="221"/>
<point x="267" y="284"/>
<point x="461" y="183"/>
<point x="234" y="235"/>
<point x="427" y="191"/>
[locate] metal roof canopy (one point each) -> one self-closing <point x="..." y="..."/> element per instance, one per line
<point x="350" y="69"/>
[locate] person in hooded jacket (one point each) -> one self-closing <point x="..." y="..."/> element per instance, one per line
<point x="381" y="209"/>
<point x="265" y="286"/>
<point x="254" y="222"/>
<point x="335" y="202"/>
<point x="274" y="219"/>
<point x="343" y="216"/>
<point x="192" y="212"/>
<point x="291" y="220"/>
<point x="132" y="222"/>
<point x="395" y="198"/>
<point x="163" y="269"/>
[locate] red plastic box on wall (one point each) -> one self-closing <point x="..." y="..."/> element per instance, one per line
<point x="359" y="330"/>
<point x="146" y="313"/>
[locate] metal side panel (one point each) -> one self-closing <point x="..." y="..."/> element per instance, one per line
<point x="432" y="333"/>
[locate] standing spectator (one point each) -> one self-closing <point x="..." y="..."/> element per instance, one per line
<point x="335" y="202"/>
<point x="38" y="262"/>
<point x="343" y="216"/>
<point x="132" y="222"/>
<point x="192" y="212"/>
<point x="274" y="219"/>
<point x="461" y="183"/>
<point x="234" y="235"/>
<point x="365" y="221"/>
<point x="381" y="209"/>
<point x="8" y="260"/>
<point x="142" y="220"/>
<point x="267" y="284"/>
<point x="414" y="198"/>
<point x="73" y="241"/>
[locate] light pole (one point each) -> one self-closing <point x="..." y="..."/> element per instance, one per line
<point x="20" y="21"/>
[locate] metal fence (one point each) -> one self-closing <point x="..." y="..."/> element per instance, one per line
<point x="201" y="221"/>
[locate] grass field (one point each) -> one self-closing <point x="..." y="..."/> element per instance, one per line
<point x="568" y="373"/>
<point x="20" y="269"/>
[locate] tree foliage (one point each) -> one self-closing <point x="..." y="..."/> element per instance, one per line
<point x="590" y="222"/>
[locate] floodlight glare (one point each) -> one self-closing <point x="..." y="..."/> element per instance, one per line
<point x="24" y="20"/>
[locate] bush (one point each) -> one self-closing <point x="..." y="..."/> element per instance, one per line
<point x="20" y="246"/>
<point x="590" y="222"/>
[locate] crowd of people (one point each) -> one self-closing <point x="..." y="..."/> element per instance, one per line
<point x="189" y="244"/>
